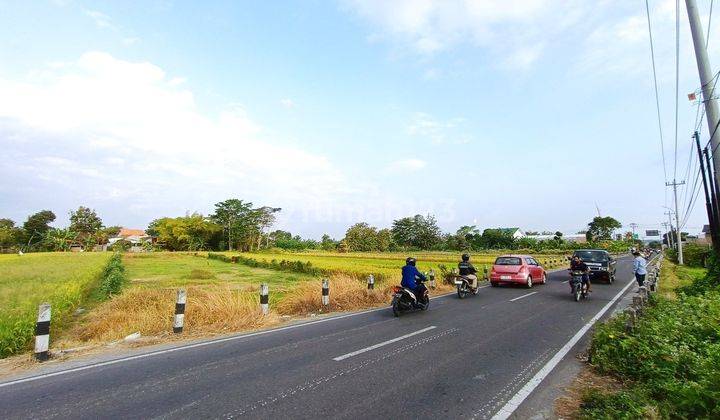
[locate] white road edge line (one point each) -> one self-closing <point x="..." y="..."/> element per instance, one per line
<point x="195" y="345"/>
<point x="512" y="405"/>
<point x="384" y="343"/>
<point x="523" y="296"/>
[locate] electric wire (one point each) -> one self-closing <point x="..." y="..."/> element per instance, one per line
<point x="693" y="201"/>
<point x="707" y="36"/>
<point x="657" y="97"/>
<point x="677" y="81"/>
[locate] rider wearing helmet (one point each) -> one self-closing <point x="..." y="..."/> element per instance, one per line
<point x="577" y="264"/>
<point x="409" y="274"/>
<point x="467" y="270"/>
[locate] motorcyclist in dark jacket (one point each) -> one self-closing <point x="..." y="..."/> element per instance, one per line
<point x="467" y="270"/>
<point x="409" y="274"/>
<point x="577" y="264"/>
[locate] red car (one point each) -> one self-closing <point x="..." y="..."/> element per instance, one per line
<point x="517" y="269"/>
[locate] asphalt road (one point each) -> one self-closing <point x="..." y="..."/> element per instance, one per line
<point x="460" y="359"/>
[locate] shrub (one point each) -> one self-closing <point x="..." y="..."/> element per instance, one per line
<point x="113" y="276"/>
<point x="219" y="257"/>
<point x="695" y="255"/>
<point x="620" y="405"/>
<point x="672" y="356"/>
<point x="120" y="245"/>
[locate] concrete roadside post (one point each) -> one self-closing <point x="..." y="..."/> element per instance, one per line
<point x="325" y="292"/>
<point x="431" y="275"/>
<point x="179" y="321"/>
<point x="631" y="319"/>
<point x="485" y="272"/>
<point x="42" y="333"/>
<point x="264" y="290"/>
<point x="371" y="282"/>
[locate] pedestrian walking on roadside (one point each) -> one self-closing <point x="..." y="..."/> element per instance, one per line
<point x="639" y="268"/>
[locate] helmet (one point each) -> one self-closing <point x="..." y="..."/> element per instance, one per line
<point x="410" y="261"/>
<point x="466" y="257"/>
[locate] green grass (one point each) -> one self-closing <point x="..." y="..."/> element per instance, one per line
<point x="673" y="276"/>
<point x="172" y="270"/>
<point x="669" y="362"/>
<point x="65" y="280"/>
<point x="383" y="265"/>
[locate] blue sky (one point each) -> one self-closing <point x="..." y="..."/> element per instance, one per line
<point x="497" y="113"/>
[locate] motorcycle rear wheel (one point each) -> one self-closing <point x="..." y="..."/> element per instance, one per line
<point x="396" y="307"/>
<point x="461" y="292"/>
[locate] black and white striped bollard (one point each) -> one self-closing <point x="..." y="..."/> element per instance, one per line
<point x="179" y="321"/>
<point x="42" y="333"/>
<point x="325" y="292"/>
<point x="264" y="289"/>
<point x="371" y="282"/>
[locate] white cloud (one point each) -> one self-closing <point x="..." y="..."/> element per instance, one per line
<point x="503" y="27"/>
<point x="112" y="125"/>
<point x="287" y="103"/>
<point x="438" y="131"/>
<point x="128" y="41"/>
<point x="407" y="165"/>
<point x="101" y="19"/>
<point x="177" y="81"/>
<point x="621" y="46"/>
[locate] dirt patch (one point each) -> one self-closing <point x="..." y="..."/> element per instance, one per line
<point x="568" y="406"/>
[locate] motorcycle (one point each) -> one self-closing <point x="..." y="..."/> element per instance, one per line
<point x="464" y="287"/>
<point x="579" y="288"/>
<point x="404" y="299"/>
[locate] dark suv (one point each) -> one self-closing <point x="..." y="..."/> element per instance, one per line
<point x="600" y="263"/>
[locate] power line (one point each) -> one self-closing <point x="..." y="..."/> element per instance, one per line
<point x="657" y="98"/>
<point x="707" y="37"/>
<point x="677" y="79"/>
<point x="688" y="170"/>
<point x="701" y="114"/>
<point x="693" y="201"/>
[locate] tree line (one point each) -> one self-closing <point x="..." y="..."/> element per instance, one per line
<point x="239" y="225"/>
<point x="35" y="234"/>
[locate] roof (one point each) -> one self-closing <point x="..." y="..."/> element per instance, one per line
<point x="125" y="232"/>
<point x="505" y="230"/>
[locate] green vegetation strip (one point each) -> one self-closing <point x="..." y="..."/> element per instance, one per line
<point x="64" y="280"/>
<point x="382" y="265"/>
<point x="670" y="361"/>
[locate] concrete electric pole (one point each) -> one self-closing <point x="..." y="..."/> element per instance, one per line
<point x="667" y="232"/>
<point x="706" y="80"/>
<point x="671" y="243"/>
<point x="678" y="236"/>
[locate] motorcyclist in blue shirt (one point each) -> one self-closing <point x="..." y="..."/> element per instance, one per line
<point x="409" y="274"/>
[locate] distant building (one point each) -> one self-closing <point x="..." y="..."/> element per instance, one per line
<point x="576" y="238"/>
<point x="707" y="238"/>
<point x="516" y="233"/>
<point x="136" y="237"/>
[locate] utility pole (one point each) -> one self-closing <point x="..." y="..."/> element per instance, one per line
<point x="633" y="226"/>
<point x="671" y="242"/>
<point x="706" y="79"/>
<point x="678" y="237"/>
<point x="667" y="232"/>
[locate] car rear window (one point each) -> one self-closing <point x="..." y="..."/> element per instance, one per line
<point x="592" y="256"/>
<point x="508" y="261"/>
